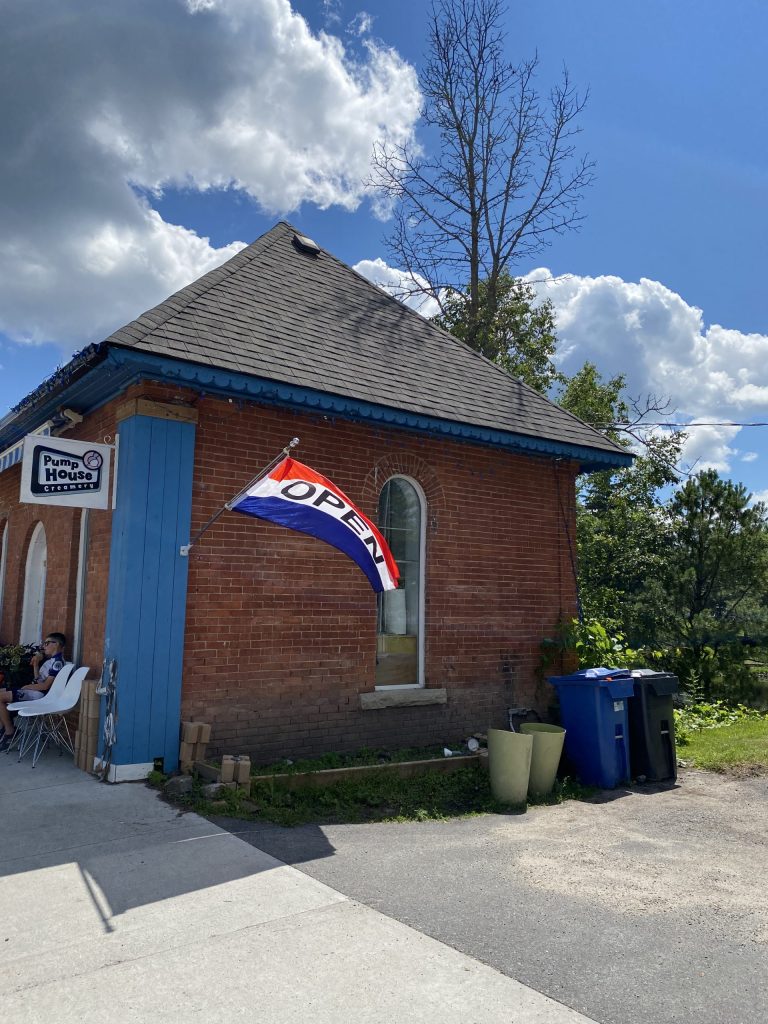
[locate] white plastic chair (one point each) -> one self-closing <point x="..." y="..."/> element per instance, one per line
<point x="51" y="724"/>
<point x="55" y="691"/>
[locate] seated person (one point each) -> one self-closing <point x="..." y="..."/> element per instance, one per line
<point x="52" y="660"/>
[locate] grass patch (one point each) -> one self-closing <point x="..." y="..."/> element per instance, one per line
<point x="740" y="747"/>
<point x="357" y="759"/>
<point x="431" y="796"/>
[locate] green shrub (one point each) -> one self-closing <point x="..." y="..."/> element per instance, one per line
<point x="710" y="715"/>
<point x="596" y="645"/>
<point x="15" y="664"/>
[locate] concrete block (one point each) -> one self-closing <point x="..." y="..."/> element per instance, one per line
<point x="227" y="768"/>
<point x="380" y="699"/>
<point x="190" y="732"/>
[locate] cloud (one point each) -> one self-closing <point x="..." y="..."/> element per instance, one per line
<point x="398" y="283"/>
<point x="663" y="346"/>
<point x="361" y="24"/>
<point x="660" y="343"/>
<point x="112" y="100"/>
<point x="331" y="11"/>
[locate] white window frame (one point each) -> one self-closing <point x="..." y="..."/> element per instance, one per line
<point x="33" y="606"/>
<point x="422" y="577"/>
<point x="82" y="572"/>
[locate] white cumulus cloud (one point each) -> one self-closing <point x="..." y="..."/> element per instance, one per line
<point x="102" y="99"/>
<point x="398" y="283"/>
<point x="664" y="347"/>
<point x="659" y="342"/>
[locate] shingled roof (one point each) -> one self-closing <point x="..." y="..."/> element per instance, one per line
<point x="283" y="313"/>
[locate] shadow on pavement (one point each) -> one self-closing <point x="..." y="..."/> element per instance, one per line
<point x="122" y="845"/>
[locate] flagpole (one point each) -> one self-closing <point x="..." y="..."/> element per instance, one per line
<point x="185" y="548"/>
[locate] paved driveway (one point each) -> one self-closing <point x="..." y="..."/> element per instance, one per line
<point x="648" y="907"/>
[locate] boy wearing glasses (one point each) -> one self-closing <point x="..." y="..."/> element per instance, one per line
<point x="45" y="667"/>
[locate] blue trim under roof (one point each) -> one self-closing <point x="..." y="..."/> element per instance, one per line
<point x="119" y="367"/>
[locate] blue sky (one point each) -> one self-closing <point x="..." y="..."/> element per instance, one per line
<point x="144" y="139"/>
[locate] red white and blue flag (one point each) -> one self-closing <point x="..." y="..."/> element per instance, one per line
<point x="295" y="496"/>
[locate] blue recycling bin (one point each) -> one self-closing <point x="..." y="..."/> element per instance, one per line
<point x="593" y="707"/>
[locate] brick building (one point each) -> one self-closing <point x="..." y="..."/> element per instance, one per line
<point x="270" y="635"/>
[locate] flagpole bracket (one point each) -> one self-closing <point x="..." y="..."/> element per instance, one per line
<point x="186" y="548"/>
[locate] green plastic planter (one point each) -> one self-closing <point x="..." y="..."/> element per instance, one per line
<point x="509" y="763"/>
<point x="547" y="749"/>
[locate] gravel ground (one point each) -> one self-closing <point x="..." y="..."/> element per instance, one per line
<point x="641" y="907"/>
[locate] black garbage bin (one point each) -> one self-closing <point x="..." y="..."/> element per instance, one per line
<point x="652" y="726"/>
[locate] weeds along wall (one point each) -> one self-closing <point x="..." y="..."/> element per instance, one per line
<point x="281" y="629"/>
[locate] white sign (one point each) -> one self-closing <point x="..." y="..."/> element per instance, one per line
<point x="59" y="471"/>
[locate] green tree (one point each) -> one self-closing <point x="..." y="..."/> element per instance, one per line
<point x="622" y="531"/>
<point x="716" y="577"/>
<point x="515" y="332"/>
<point x="599" y="403"/>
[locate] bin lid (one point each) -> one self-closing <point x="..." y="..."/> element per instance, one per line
<point x="592" y="675"/>
<point x="617" y="681"/>
<point x="661" y="683"/>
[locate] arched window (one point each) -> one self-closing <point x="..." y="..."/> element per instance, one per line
<point x="400" y="627"/>
<point x="34" y="588"/>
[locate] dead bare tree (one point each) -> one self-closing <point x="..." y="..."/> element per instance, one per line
<point x="506" y="177"/>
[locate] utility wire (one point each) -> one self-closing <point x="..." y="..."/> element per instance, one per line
<point x="685" y="426"/>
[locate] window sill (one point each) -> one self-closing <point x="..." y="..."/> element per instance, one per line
<point x="402" y="698"/>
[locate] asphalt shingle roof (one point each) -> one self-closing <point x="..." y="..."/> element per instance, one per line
<point x="278" y="312"/>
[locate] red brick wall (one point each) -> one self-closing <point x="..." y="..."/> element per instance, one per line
<point x="281" y="629"/>
<point x="62" y="535"/>
<point x="62" y="531"/>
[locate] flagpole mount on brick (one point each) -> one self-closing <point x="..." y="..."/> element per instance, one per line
<point x="186" y="548"/>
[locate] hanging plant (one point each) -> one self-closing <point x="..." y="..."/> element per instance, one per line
<point x="15" y="664"/>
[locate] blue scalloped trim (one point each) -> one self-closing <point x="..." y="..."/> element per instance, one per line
<point x="225" y="382"/>
<point x="86" y="389"/>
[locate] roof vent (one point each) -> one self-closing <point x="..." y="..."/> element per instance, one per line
<point x="308" y="245"/>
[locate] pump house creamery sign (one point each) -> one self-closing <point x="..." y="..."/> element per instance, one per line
<point x="58" y="471"/>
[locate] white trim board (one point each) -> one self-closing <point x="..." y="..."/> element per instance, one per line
<point x="125" y="772"/>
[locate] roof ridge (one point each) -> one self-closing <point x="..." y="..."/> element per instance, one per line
<point x="295" y="320"/>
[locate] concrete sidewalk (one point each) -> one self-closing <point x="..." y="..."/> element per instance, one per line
<point x="116" y="908"/>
